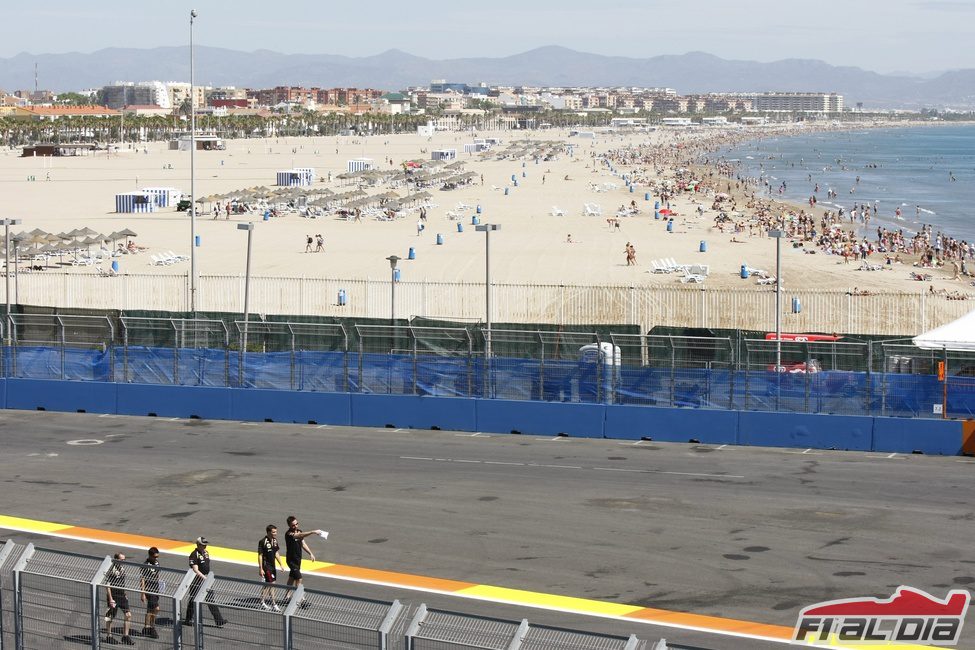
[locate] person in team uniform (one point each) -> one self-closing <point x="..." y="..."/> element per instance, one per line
<point x="149" y="586"/>
<point x="295" y="544"/>
<point x="200" y="564"/>
<point x="268" y="561"/>
<point x="118" y="600"/>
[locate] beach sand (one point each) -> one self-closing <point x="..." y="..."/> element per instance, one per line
<point x="531" y="246"/>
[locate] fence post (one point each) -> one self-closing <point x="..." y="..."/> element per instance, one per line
<point x="61" y="341"/>
<point x="95" y="581"/>
<point x="387" y="625"/>
<point x="296" y="600"/>
<point x="177" y="613"/>
<point x="18" y="597"/>
<point x="198" y="600"/>
<point x="5" y="551"/>
<point x="519" y="635"/>
<point x="414" y="628"/>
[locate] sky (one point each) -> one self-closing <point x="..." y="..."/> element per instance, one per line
<point x="916" y="36"/>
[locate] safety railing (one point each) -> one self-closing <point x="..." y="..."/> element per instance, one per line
<point x="843" y="377"/>
<point x="61" y="600"/>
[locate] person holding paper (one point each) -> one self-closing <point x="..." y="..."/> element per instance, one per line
<point x="296" y="544"/>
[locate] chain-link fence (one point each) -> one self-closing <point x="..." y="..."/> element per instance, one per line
<point x="435" y="629"/>
<point x="9" y="555"/>
<point x="891" y="378"/>
<point x="67" y="600"/>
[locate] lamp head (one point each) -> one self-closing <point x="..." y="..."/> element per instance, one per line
<point x="193" y="13"/>
<point x="393" y="259"/>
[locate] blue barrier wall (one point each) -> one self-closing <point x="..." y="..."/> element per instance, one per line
<point x="929" y="436"/>
<point x="853" y="433"/>
<point x="66" y="396"/>
<point x="413" y="412"/>
<point x="540" y="418"/>
<point x="256" y="405"/>
<point x="671" y="424"/>
<point x="709" y="426"/>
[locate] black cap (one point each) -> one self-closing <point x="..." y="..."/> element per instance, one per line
<point x="202" y="541"/>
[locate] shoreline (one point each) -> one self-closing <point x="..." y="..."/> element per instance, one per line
<point x="531" y="247"/>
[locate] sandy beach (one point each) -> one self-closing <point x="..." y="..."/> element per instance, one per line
<point x="533" y="246"/>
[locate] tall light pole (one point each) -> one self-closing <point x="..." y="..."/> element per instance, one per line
<point x="487" y="229"/>
<point x="6" y="269"/>
<point x="778" y="234"/>
<point x="393" y="260"/>
<point x="249" y="227"/>
<point x="192" y="171"/>
<point x="17" y="239"/>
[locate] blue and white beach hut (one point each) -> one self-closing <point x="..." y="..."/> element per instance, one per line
<point x="164" y="197"/>
<point x="134" y="202"/>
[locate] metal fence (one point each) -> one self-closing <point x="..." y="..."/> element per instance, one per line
<point x="61" y="600"/>
<point x="893" y="313"/>
<point x="891" y="378"/>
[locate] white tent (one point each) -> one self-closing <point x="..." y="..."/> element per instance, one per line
<point x="957" y="335"/>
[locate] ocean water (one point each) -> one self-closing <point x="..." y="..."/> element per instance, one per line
<point x="907" y="167"/>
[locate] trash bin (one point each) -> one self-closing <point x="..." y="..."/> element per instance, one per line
<point x="198" y="241"/>
<point x="796" y="306"/>
<point x="412" y="254"/>
<point x="703" y="247"/>
<point x="744" y="272"/>
<point x="479" y="209"/>
<point x="646" y="197"/>
<point x="396" y="275"/>
<point x="656" y="215"/>
<point x="475" y="220"/>
<point x="460" y="227"/>
<point x="670" y="225"/>
<point x="439" y="239"/>
<point x="115" y="265"/>
<point x="506" y="191"/>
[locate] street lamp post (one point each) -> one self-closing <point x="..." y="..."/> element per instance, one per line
<point x="192" y="170"/>
<point x="778" y="234"/>
<point x="393" y="260"/>
<point x="249" y="227"/>
<point x="487" y="229"/>
<point x="6" y="268"/>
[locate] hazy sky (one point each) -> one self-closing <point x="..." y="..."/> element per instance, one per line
<point x="880" y="35"/>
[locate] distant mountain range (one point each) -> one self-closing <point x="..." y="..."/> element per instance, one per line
<point x="695" y="72"/>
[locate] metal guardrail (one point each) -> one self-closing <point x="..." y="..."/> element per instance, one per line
<point x="55" y="599"/>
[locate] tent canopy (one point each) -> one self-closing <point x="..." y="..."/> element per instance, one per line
<point x="958" y="335"/>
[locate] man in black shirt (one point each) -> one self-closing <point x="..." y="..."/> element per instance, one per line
<point x="295" y="542"/>
<point x="149" y="586"/>
<point x="200" y="564"/>
<point x="268" y="561"/>
<point x="117" y="600"/>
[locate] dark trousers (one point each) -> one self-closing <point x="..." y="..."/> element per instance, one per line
<point x="214" y="610"/>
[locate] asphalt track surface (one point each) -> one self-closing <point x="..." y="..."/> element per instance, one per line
<point x="743" y="534"/>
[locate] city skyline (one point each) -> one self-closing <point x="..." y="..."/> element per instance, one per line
<point x="912" y="36"/>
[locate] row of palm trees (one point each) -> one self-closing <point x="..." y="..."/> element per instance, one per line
<point x="134" y="128"/>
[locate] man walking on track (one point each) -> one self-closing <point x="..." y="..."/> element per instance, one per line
<point x="200" y="564"/>
<point x="267" y="555"/>
<point x="295" y="543"/>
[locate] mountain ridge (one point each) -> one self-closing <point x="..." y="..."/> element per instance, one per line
<point x="547" y="65"/>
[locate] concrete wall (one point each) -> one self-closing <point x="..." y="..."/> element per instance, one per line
<point x="799" y="430"/>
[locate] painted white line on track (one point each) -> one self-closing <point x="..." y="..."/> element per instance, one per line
<point x="807" y="451"/>
<point x="85" y="442"/>
<point x="323" y="426"/>
<point x="601" y="469"/>
<point x="892" y="456"/>
<point x="722" y="446"/>
<point x="249" y="424"/>
<point x="173" y="419"/>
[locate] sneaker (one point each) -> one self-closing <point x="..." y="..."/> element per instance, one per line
<point x="145" y="631"/>
<point x="265" y="606"/>
<point x="127" y="640"/>
<point x="153" y="634"/>
<point x="275" y="607"/>
<point x="221" y="623"/>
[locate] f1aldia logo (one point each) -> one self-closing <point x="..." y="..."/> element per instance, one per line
<point x="909" y="616"/>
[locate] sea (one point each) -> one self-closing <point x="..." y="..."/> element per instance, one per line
<point x="927" y="171"/>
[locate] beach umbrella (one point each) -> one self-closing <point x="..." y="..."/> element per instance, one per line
<point x="37" y="231"/>
<point x="127" y="233"/>
<point x="87" y="231"/>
